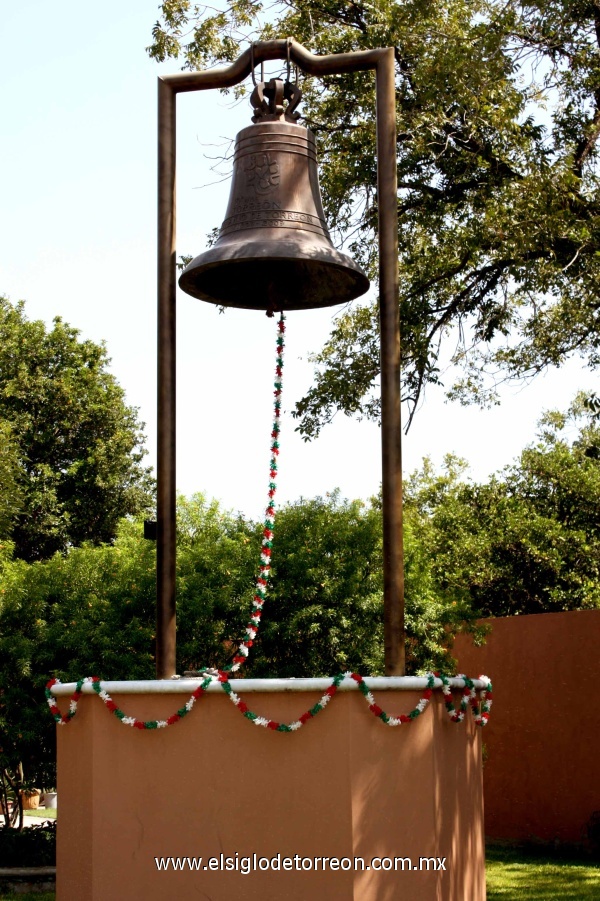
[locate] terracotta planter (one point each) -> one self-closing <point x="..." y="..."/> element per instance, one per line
<point x="31" y="800"/>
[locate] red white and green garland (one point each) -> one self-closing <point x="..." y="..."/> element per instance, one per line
<point x="262" y="582"/>
<point x="480" y="706"/>
<point x="480" y="702"/>
<point x="62" y="719"/>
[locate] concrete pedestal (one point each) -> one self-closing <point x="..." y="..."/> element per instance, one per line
<point x="214" y="786"/>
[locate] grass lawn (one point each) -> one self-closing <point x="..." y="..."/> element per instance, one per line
<point x="49" y="814"/>
<point x="511" y="876"/>
<point x="31" y="896"/>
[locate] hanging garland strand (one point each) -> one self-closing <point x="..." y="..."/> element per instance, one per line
<point x="262" y="582"/>
<point x="469" y="697"/>
<point x="260" y="593"/>
<point x="95" y="682"/>
<point x="480" y="716"/>
<point x="479" y="706"/>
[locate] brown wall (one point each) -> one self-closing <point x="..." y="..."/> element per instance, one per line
<point x="542" y="744"/>
<point x="343" y="785"/>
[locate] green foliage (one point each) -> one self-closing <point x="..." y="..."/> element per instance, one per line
<point x="73" y="449"/>
<point x="435" y="611"/>
<point x="92" y="610"/>
<point x="498" y="124"/>
<point x="10" y="487"/>
<point x="33" y="847"/>
<point x="217" y="556"/>
<point x="89" y="612"/>
<point x="324" y="612"/>
<point x="528" y="541"/>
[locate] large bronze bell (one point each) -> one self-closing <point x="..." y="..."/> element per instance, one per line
<point x="274" y="251"/>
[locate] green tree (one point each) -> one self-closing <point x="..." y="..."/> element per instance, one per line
<point x="528" y="540"/>
<point x="436" y="608"/>
<point x="324" y="612"/>
<point x="10" y="487"/>
<point x="217" y="559"/>
<point x="498" y="124"/>
<point x="91" y="611"/>
<point x="74" y="448"/>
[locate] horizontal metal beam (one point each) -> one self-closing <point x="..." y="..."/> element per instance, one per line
<point x="263" y="51"/>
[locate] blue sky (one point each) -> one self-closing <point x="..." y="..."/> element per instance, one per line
<point x="78" y="188"/>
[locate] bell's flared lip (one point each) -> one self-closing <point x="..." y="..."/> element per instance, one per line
<point x="281" y="273"/>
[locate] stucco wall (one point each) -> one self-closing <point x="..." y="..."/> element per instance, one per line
<point x="344" y="785"/>
<point x="542" y="744"/>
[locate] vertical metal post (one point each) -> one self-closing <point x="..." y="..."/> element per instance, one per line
<point x="165" y="545"/>
<point x="391" y="428"/>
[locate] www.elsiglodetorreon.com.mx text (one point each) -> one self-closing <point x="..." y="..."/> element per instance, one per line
<point x="252" y="863"/>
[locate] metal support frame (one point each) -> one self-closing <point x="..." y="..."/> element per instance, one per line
<point x="382" y="61"/>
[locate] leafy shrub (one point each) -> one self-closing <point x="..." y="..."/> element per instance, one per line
<point x="33" y="847"/>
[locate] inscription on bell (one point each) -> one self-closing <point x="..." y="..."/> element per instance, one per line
<point x="246" y="205"/>
<point x="276" y="218"/>
<point x="262" y="172"/>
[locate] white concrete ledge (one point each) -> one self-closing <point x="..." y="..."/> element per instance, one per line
<point x="187" y="686"/>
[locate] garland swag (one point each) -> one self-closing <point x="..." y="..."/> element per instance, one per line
<point x="480" y="705"/>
